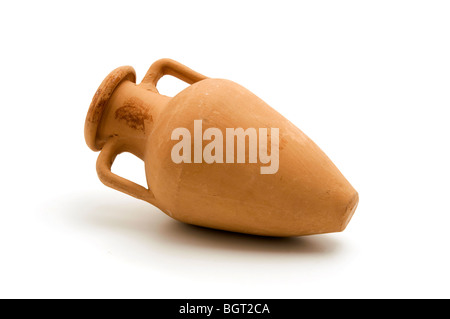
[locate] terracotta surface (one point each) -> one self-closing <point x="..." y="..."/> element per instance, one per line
<point x="308" y="194"/>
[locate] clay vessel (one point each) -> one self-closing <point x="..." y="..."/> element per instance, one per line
<point x="307" y="195"/>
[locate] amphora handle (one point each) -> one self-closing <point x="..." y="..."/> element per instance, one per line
<point x="169" y="67"/>
<point x="108" y="154"/>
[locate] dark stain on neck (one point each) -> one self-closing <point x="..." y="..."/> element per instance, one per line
<point x="135" y="113"/>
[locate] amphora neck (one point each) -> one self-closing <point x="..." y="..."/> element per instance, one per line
<point x="123" y="110"/>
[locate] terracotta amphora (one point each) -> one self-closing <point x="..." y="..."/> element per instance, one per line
<point x="305" y="195"/>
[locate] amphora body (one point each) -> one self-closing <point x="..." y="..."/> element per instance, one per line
<point x="306" y="195"/>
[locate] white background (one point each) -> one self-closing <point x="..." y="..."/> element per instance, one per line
<point x="368" y="81"/>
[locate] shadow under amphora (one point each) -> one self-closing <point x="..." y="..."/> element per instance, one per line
<point x="144" y="223"/>
<point x="207" y="238"/>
